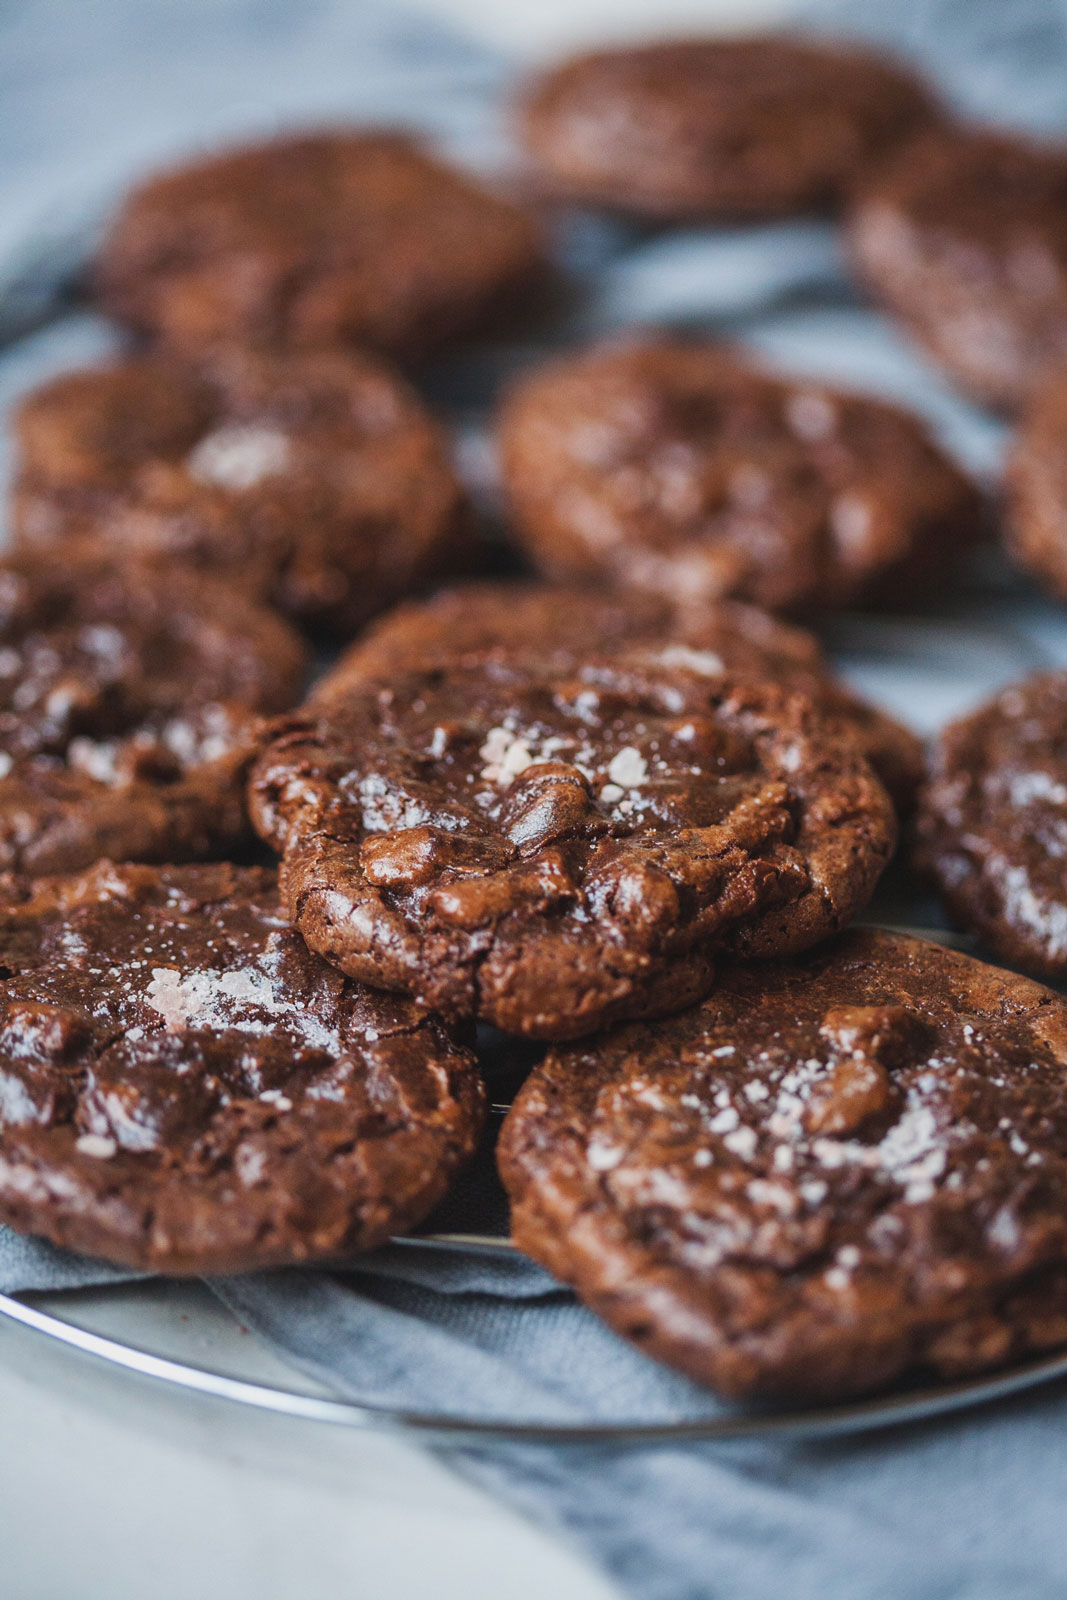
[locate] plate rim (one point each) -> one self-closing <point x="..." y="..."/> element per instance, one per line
<point x="810" y="1424"/>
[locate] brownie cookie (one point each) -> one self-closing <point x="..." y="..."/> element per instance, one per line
<point x="964" y="238"/>
<point x="316" y="481"/>
<point x="553" y="847"/>
<point x="1037" y="486"/>
<point x="348" y="237"/>
<point x="834" y="1171"/>
<point x="680" y="469"/>
<point x="184" y="1087"/>
<point x="565" y="624"/>
<point x="128" y="710"/>
<point x="992" y="823"/>
<point x="710" y="128"/>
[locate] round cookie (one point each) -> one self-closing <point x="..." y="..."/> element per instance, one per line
<point x="316" y="481"/>
<point x="550" y="848"/>
<point x="1037" y="486"/>
<point x="717" y="128"/>
<point x="992" y="823"/>
<point x="129" y="702"/>
<point x="185" y="1088"/>
<point x="723" y="635"/>
<point x="964" y="238"/>
<point x="309" y="241"/>
<point x="679" y="469"/>
<point x="834" y="1171"/>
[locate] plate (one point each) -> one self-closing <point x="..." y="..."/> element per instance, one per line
<point x="157" y="1332"/>
<point x="172" y="1326"/>
<point x="925" y="668"/>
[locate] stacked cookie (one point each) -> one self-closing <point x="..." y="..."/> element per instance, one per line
<point x="614" y="803"/>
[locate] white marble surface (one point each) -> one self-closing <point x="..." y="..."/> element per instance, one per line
<point x="111" y="1486"/>
<point x="541" y="27"/>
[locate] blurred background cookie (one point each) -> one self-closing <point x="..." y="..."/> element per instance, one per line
<point x="1036" y="510"/>
<point x="315" y="481"/>
<point x="347" y="237"/>
<point x="708" y="128"/>
<point x="684" y="470"/>
<point x="963" y="236"/>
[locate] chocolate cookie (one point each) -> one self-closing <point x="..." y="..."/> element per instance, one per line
<point x="351" y="237"/>
<point x="128" y="701"/>
<point x="316" y="481"/>
<point x="682" y="470"/>
<point x="1037" y="486"/>
<point x="834" y="1171"/>
<point x="551" y="848"/>
<point x="964" y="238"/>
<point x="709" y="128"/>
<point x="565" y="624"/>
<point x="992" y="823"/>
<point x="184" y="1087"/>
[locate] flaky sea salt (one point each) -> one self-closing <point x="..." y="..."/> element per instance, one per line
<point x="628" y="768"/>
<point x="239" y="456"/>
<point x="704" y="662"/>
<point x="505" y="756"/>
<point x="96" y="1145"/>
<point x="742" y="1142"/>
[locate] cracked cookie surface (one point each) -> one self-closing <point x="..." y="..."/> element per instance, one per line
<point x="553" y="848"/>
<point x="317" y="482"/>
<point x="835" y="1170"/>
<point x="185" y="1088"/>
<point x="560" y="623"/>
<point x="129" y="702"/>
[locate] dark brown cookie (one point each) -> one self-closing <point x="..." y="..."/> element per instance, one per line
<point x="680" y="469"/>
<point x="964" y="238"/>
<point x="184" y="1087"/>
<point x="308" y="241"/>
<point x="566" y="624"/>
<point x="992" y="823"/>
<point x="316" y="481"/>
<point x="1037" y="486"/>
<point x="699" y="128"/>
<point x="128" y="710"/>
<point x="833" y="1171"/>
<point x="551" y="848"/>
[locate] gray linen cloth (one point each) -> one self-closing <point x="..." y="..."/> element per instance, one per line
<point x="968" y="1508"/>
